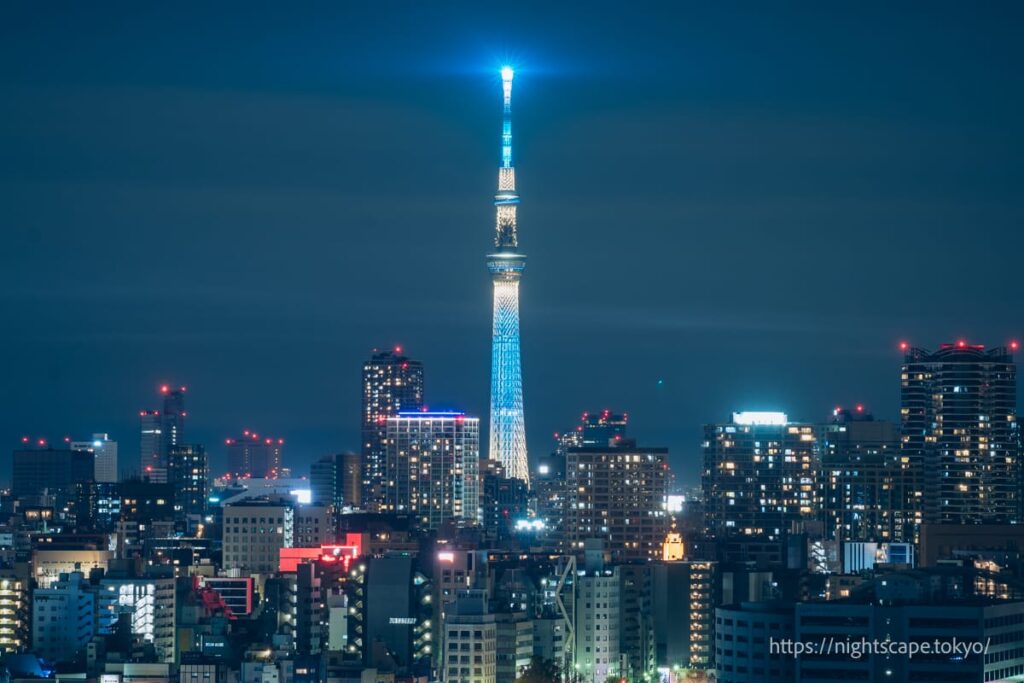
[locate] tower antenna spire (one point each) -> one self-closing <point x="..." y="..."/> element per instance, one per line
<point x="506" y="264"/>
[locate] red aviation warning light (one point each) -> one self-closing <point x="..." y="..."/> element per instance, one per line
<point x="904" y="346"/>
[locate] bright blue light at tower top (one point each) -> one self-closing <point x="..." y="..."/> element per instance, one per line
<point x="507" y="73"/>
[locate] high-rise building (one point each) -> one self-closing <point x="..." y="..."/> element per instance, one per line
<point x="684" y="609"/>
<point x="188" y="470"/>
<point x="616" y="493"/>
<point x="864" y="479"/>
<point x="433" y="461"/>
<point x="506" y="264"/>
<point x="336" y="480"/>
<point x="392" y="382"/>
<point x="105" y="456"/>
<point x="760" y="475"/>
<point x="252" y="456"/>
<point x="958" y="412"/>
<point x="59" y="472"/>
<point x="159" y="430"/>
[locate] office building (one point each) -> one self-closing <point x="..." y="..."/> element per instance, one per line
<point x="744" y="635"/>
<point x="63" y="618"/>
<point x="104" y="457"/>
<point x="254" y="533"/>
<point x="471" y="640"/>
<point x="392" y="383"/>
<point x="336" y="480"/>
<point x="433" y="461"/>
<point x="57" y="472"/>
<point x="159" y="430"/>
<point x="958" y="412"/>
<point x="254" y="456"/>
<point x="760" y="476"/>
<point x="188" y="471"/>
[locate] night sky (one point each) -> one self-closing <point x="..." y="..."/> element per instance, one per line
<point x="739" y="207"/>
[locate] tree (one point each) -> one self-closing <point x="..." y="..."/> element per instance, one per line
<point x="540" y="670"/>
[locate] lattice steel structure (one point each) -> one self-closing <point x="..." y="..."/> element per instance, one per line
<point x="506" y="264"/>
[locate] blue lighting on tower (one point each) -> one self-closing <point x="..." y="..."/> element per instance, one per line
<point x="508" y="428"/>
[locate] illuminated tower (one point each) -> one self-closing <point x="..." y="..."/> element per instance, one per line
<point x="508" y="429"/>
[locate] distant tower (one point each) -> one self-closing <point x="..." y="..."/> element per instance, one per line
<point x="508" y="429"/>
<point x="161" y="430"/>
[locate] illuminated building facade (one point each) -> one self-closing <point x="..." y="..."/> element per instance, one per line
<point x="159" y="430"/>
<point x="254" y="456"/>
<point x="188" y="470"/>
<point x="148" y="602"/>
<point x="865" y="479"/>
<point x="392" y="382"/>
<point x="958" y="412"/>
<point x="760" y="475"/>
<point x="105" y="457"/>
<point x="616" y="493"/>
<point x="336" y="480"/>
<point x="433" y="463"/>
<point x="506" y="264"/>
<point x="15" y="625"/>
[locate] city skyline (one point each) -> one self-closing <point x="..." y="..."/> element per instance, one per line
<point x="700" y="174"/>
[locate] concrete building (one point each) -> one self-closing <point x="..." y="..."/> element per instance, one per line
<point x="744" y="634"/>
<point x="617" y="494"/>
<point x="254" y="533"/>
<point x="598" y="623"/>
<point x="471" y="640"/>
<point x="48" y="565"/>
<point x="433" y="461"/>
<point x="104" y="457"/>
<point x="685" y="598"/>
<point x="149" y="603"/>
<point x="63" y="617"/>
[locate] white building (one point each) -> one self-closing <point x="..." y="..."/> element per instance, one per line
<point x="63" y="617"/>
<point x="151" y="604"/>
<point x="470" y="640"/>
<point x="105" y="452"/>
<point x="254" y="533"/>
<point x="597" y="625"/>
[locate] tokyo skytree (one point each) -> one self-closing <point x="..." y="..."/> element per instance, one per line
<point x="506" y="264"/>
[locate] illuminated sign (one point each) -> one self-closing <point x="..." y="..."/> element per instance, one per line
<point x="403" y="621"/>
<point x="754" y="417"/>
